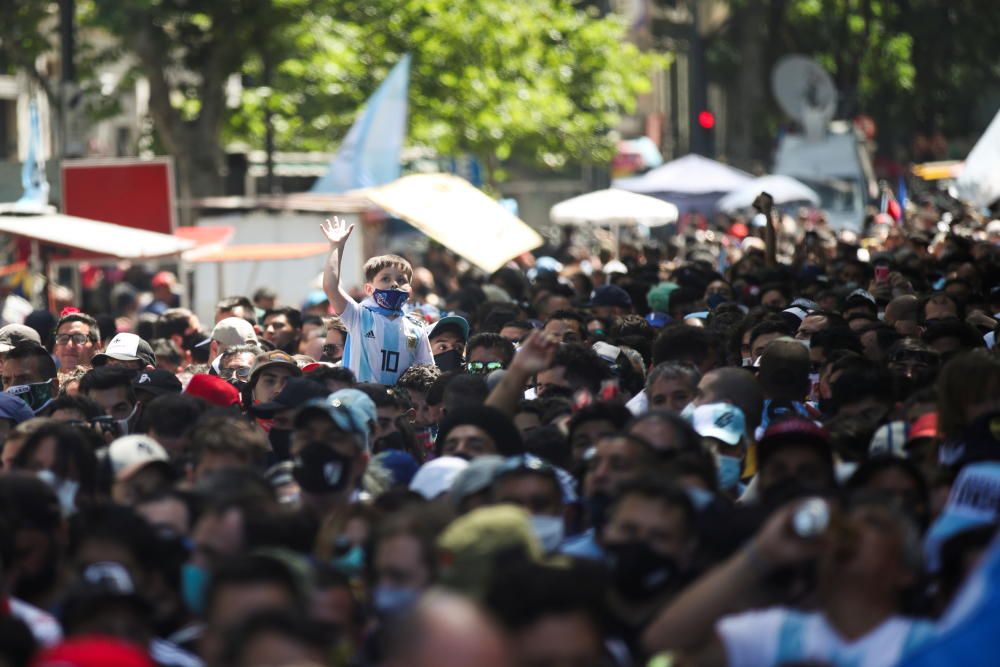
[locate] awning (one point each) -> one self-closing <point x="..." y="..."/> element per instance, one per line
<point x="613" y="207"/>
<point x="259" y="252"/>
<point x="101" y="239"/>
<point x="459" y="216"/>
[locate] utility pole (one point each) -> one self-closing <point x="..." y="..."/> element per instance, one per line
<point x="701" y="136"/>
<point x="67" y="79"/>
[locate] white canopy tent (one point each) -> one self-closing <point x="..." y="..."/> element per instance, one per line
<point x="784" y="189"/>
<point x="459" y="216"/>
<point x="979" y="181"/>
<point x="613" y="207"/>
<point x="692" y="183"/>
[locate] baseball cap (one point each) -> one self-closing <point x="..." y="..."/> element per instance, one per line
<point x="230" y="332"/>
<point x="157" y="382"/>
<point x="163" y="279"/>
<point x="469" y="548"/>
<point x="296" y="392"/>
<point x="722" y="421"/>
<point x="213" y="390"/>
<point x="13" y="334"/>
<point x="351" y="410"/>
<point x="657" y="320"/>
<point x="93" y="651"/>
<point x="797" y="431"/>
<point x="535" y="464"/>
<point x="399" y="464"/>
<point x="974" y="501"/>
<point x="860" y="297"/>
<point x="272" y="359"/>
<point x="314" y="298"/>
<point x="126" y="347"/>
<point x="451" y="321"/>
<point x="610" y="295"/>
<point x="436" y="477"/>
<point x="129" y="453"/>
<point x="477" y="477"/>
<point x="14" y="408"/>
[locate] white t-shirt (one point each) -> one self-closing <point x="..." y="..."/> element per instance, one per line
<point x="780" y="635"/>
<point x="42" y="624"/>
<point x="379" y="349"/>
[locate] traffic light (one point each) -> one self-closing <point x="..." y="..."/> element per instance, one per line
<point x="703" y="133"/>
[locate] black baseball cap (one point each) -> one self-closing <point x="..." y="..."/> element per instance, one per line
<point x="296" y="393"/>
<point x="610" y="295"/>
<point x="157" y="382"/>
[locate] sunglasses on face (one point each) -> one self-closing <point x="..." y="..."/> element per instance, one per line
<point x="483" y="367"/>
<point x="240" y="373"/>
<point x="78" y="338"/>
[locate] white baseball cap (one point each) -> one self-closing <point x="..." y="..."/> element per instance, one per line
<point x="436" y="477"/>
<point x="722" y="421"/>
<point x="129" y="453"/>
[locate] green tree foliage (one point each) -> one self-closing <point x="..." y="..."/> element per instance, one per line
<point x="914" y="65"/>
<point x="537" y="80"/>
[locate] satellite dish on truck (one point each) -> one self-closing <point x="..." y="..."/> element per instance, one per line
<point x="806" y="92"/>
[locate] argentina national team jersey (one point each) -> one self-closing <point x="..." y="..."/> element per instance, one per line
<point x="379" y="349"/>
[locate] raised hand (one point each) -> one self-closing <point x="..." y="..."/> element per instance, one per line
<point x="336" y="231"/>
<point x="536" y="353"/>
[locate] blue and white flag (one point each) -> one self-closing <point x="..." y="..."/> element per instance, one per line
<point x="33" y="179"/>
<point x="370" y="153"/>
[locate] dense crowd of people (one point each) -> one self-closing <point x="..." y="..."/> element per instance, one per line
<point x="709" y="449"/>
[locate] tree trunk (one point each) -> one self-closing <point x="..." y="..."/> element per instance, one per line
<point x="194" y="144"/>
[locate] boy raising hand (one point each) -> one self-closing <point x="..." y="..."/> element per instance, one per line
<point x="381" y="343"/>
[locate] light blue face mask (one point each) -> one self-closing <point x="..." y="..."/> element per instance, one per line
<point x="389" y="601"/>
<point x="688" y="412"/>
<point x="549" y="530"/>
<point x="700" y="498"/>
<point x="351" y="563"/>
<point x="729" y="471"/>
<point x="194" y="585"/>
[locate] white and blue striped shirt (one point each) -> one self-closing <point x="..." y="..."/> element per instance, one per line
<point x="379" y="349"/>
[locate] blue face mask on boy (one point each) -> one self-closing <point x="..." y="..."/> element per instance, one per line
<point x="390" y="299"/>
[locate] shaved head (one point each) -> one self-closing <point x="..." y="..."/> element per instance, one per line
<point x="736" y="386"/>
<point x="446" y="630"/>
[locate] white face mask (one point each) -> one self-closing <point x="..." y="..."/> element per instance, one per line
<point x="65" y="491"/>
<point x="688" y="412"/>
<point x="549" y="530"/>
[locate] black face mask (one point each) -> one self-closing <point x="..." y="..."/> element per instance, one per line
<point x="638" y="572"/>
<point x="321" y="470"/>
<point x="449" y="361"/>
<point x="281" y="443"/>
<point x="394" y="440"/>
<point x="597" y="508"/>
